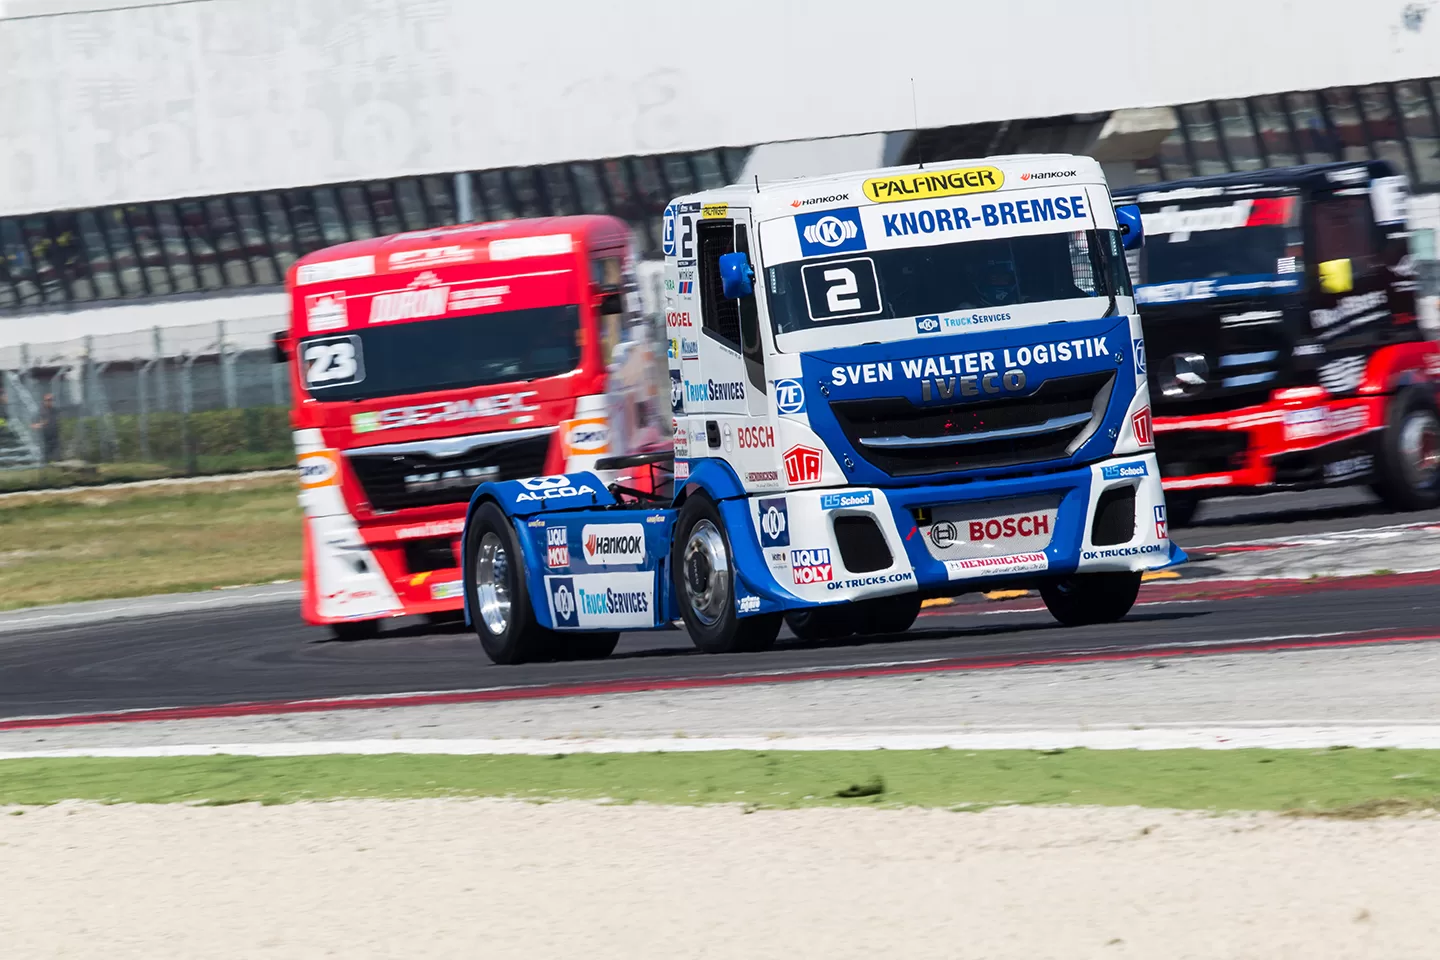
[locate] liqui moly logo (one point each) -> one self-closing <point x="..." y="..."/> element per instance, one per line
<point x="811" y="566"/>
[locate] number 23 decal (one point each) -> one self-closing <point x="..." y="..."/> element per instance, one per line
<point x="333" y="362"/>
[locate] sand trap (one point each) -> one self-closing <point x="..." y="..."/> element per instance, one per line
<point x="492" y="879"/>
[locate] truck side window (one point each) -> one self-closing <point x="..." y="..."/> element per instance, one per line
<point x="719" y="316"/>
<point x="1344" y="230"/>
<point x="750" y="320"/>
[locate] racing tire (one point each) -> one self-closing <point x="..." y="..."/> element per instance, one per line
<point x="816" y="624"/>
<point x="585" y="646"/>
<point x="1086" y="598"/>
<point x="704" y="574"/>
<point x="352" y="630"/>
<point x="1409" y="459"/>
<point x="887" y="615"/>
<point x="1180" y="509"/>
<point x="497" y="593"/>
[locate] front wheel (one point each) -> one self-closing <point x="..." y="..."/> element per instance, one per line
<point x="353" y="630"/>
<point x="817" y="624"/>
<point x="1180" y="508"/>
<point x="496" y="591"/>
<point x="705" y="584"/>
<point x="887" y="615"/>
<point x="1085" y="598"/>
<point x="1409" y="455"/>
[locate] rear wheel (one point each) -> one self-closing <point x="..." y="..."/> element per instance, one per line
<point x="498" y="597"/>
<point x="353" y="630"/>
<point x="815" y="624"/>
<point x="1084" y="598"/>
<point x="704" y="583"/>
<point x="1409" y="454"/>
<point x="887" y="615"/>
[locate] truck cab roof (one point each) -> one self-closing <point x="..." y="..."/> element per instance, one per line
<point x="770" y="199"/>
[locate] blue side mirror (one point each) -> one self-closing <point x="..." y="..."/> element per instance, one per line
<point x="737" y="277"/>
<point x="1132" y="230"/>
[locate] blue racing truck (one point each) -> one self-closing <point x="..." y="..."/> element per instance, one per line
<point x="885" y="386"/>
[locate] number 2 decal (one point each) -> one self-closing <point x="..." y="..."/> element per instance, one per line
<point x="333" y="362"/>
<point x="835" y="294"/>
<point x="687" y="238"/>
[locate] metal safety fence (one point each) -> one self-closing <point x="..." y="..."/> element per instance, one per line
<point x="161" y="402"/>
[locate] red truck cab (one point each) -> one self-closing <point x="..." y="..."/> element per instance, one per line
<point x="426" y="363"/>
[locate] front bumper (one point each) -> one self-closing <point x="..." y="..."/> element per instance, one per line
<point x="1282" y="444"/>
<point x="795" y="556"/>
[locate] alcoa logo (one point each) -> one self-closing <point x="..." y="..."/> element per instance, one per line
<point x="564" y="602"/>
<point x="541" y="488"/>
<point x="831" y="231"/>
<point x="545" y="483"/>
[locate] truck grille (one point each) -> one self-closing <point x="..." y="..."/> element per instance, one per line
<point x="1189" y="453"/>
<point x="904" y="440"/>
<point x="430" y="472"/>
<point x="1243" y="349"/>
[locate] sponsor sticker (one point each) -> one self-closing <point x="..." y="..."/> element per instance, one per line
<point x="445" y="590"/>
<point x="609" y="600"/>
<point x="774" y="523"/>
<point x="677" y="393"/>
<point x="346" y="269"/>
<point x="422" y="300"/>
<point x="834" y="501"/>
<point x="748" y="604"/>
<point x="996" y="566"/>
<point x="435" y="528"/>
<point x="929" y="324"/>
<point x="1112" y="553"/>
<point x="1124" y="471"/>
<point x="586" y="437"/>
<point x="540" y="489"/>
<point x="1139" y="350"/>
<point x="1162" y="529"/>
<point x="678" y="318"/>
<point x="802" y="465"/>
<point x="1144" y="429"/>
<point x="430" y="257"/>
<point x="557" y="547"/>
<point x="326" y="311"/>
<point x="610" y="544"/>
<point x="934" y="183"/>
<point x="429" y="413"/>
<point x="319" y="468"/>
<point x="830" y="231"/>
<point x="815" y="201"/>
<point x="789" y="396"/>
<point x="714" y="211"/>
<point x="811" y="566"/>
<point x="756" y="438"/>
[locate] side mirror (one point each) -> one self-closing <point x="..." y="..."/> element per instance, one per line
<point x="1132" y="228"/>
<point x="737" y="277"/>
<point x="609" y="304"/>
<point x="278" y="354"/>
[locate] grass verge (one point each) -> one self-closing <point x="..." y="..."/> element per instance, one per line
<point x="96" y="544"/>
<point x="1355" y="783"/>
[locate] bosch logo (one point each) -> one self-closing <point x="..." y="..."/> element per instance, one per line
<point x="944" y="535"/>
<point x="789" y="396"/>
<point x="756" y="438"/>
<point x="831" y="231"/>
<point x="564" y="602"/>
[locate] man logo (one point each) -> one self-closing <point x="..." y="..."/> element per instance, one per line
<point x="545" y="483"/>
<point x="774" y="523"/>
<point x="831" y="231"/>
<point x="789" y="396"/>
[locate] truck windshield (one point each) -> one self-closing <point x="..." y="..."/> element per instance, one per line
<point x="979" y="275"/>
<point x="445" y="354"/>
<point x="1246" y="238"/>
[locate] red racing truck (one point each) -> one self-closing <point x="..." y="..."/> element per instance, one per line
<point x="426" y="363"/>
<point x="1283" y="348"/>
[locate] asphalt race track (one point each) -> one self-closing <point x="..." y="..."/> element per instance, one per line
<point x="264" y="653"/>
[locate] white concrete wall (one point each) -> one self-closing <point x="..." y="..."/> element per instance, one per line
<point x="165" y="100"/>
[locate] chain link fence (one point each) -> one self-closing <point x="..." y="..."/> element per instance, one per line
<point x="163" y="402"/>
<point x="173" y="401"/>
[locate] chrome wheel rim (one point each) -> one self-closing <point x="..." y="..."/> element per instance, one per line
<point x="1420" y="448"/>
<point x="492" y="584"/>
<point x="706" y="573"/>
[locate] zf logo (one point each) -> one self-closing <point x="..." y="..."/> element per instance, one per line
<point x="789" y="396"/>
<point x="1140" y="355"/>
<point x="774" y="523"/>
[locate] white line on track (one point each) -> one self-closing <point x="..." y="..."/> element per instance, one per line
<point x="1228" y="737"/>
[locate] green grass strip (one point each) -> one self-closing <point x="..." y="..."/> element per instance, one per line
<point x="1336" y="782"/>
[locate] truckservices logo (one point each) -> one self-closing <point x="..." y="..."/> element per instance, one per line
<point x="934" y="183"/>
